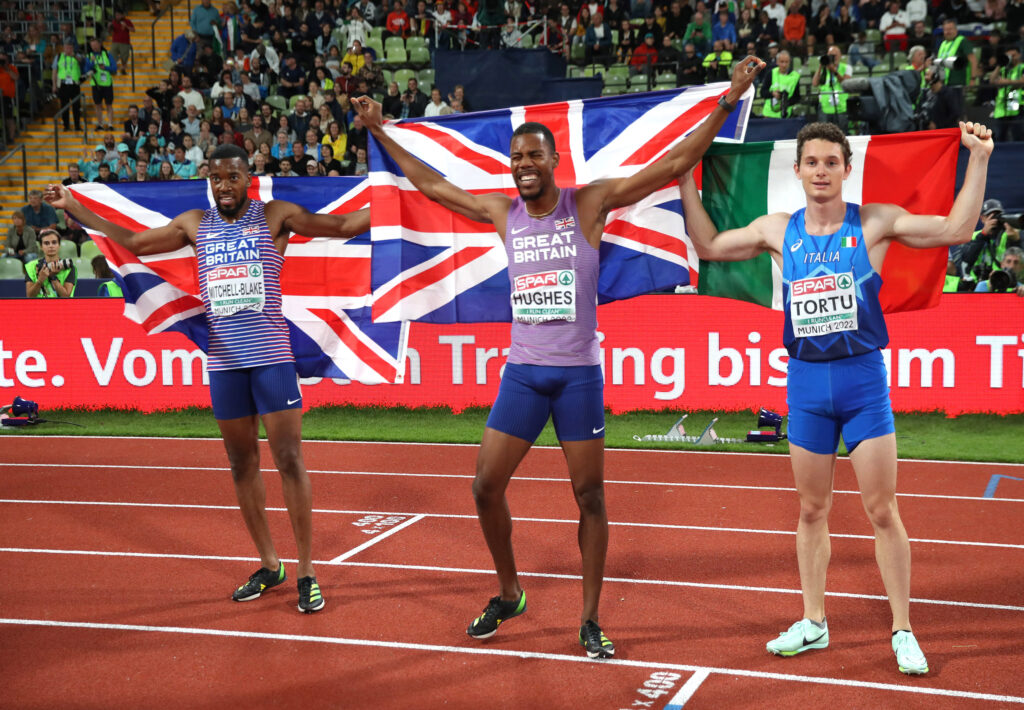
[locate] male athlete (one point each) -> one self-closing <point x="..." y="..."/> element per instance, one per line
<point x="831" y="254"/>
<point x="553" y="364"/>
<point x="240" y="245"/>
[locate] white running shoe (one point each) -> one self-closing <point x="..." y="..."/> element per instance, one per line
<point x="908" y="654"/>
<point x="801" y="636"/>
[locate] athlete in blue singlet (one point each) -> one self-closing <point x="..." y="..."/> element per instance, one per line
<point x="551" y="237"/>
<point x="831" y="255"/>
<point x="240" y="244"/>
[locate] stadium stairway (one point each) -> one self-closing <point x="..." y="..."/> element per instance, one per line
<point x="38" y="135"/>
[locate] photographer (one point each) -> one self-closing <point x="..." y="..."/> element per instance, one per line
<point x="1008" y="78"/>
<point x="958" y="62"/>
<point x="1009" y="277"/>
<point x="828" y="78"/>
<point x="989" y="244"/>
<point x="50" y="277"/>
<point x="782" y="91"/>
<point x="414" y="101"/>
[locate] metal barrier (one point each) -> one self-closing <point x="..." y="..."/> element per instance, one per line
<point x="24" y="166"/>
<point x="160" y="16"/>
<point x="56" y="130"/>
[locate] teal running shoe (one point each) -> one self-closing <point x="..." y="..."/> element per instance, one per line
<point x="801" y="636"/>
<point x="908" y="654"/>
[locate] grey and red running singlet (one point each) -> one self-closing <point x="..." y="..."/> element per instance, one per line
<point x="553" y="272"/>
<point x="239" y="281"/>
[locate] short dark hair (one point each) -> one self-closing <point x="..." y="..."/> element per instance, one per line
<point x="823" y="131"/>
<point x="532" y="127"/>
<point x="229" y="151"/>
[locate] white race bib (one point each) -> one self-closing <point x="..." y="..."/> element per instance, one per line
<point x="235" y="287"/>
<point x="820" y="305"/>
<point x="545" y="296"/>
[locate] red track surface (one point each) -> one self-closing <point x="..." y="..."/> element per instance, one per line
<point x="123" y="602"/>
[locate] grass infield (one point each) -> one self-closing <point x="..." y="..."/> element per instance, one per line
<point x="974" y="437"/>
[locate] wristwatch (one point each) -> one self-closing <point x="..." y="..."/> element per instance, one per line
<point x="729" y="108"/>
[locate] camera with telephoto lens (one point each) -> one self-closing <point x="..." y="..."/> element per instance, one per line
<point x="999" y="281"/>
<point x="59" y="265"/>
<point x="825" y="59"/>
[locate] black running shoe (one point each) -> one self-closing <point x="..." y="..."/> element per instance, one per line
<point x="594" y="640"/>
<point x="260" y="581"/>
<point x="310" y="598"/>
<point x="496" y="611"/>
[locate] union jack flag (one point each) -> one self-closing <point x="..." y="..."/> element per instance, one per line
<point x="433" y="265"/>
<point x="325" y="283"/>
<point x="561" y="224"/>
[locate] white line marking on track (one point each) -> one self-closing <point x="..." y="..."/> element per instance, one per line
<point x="686" y="692"/>
<point x="419" y="443"/>
<point x="377" y="538"/>
<point x="541" y="479"/>
<point x="508" y="653"/>
<point x="538" y="575"/>
<point x="560" y="521"/>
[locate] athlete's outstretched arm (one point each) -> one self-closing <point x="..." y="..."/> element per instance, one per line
<point x="296" y="218"/>
<point x="607" y="195"/>
<point x="732" y="244"/>
<point x="179" y="232"/>
<point x="924" y="231"/>
<point x="491" y="207"/>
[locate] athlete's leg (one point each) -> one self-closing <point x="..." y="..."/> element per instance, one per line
<point x="497" y="460"/>
<point x="813" y="474"/>
<point x="586" y="471"/>
<point x="874" y="462"/>
<point x="241" y="440"/>
<point x="284" y="434"/>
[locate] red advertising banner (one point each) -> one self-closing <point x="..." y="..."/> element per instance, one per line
<point x="660" y="352"/>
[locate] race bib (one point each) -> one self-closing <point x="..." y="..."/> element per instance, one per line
<point x="236" y="287"/>
<point x="821" y="305"/>
<point x="546" y="296"/>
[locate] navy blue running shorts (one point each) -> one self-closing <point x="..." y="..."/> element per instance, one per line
<point x="254" y="390"/>
<point x="572" y="396"/>
<point x="848" y="396"/>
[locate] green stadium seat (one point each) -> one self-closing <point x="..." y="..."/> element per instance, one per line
<point x="402" y="77"/>
<point x="578" y="55"/>
<point x="393" y="43"/>
<point x="397" y="57"/>
<point x="294" y="100"/>
<point x="613" y="90"/>
<point x="376" y="32"/>
<point x="616" y="76"/>
<point x="526" y="42"/>
<point x="419" y="57"/>
<point x="11" y="269"/>
<point x="376" y="44"/>
<point x="89" y="249"/>
<point x="84" y="267"/>
<point x="426" y="75"/>
<point x="68" y="249"/>
<point x="413" y="42"/>
<point x="277" y="102"/>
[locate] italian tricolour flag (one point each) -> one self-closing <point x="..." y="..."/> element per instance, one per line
<point x="740" y="182"/>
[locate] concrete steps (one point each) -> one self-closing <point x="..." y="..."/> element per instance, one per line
<point x="38" y="137"/>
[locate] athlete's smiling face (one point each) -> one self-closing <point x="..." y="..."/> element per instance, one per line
<point x="229" y="182"/>
<point x="533" y="164"/>
<point x="822" y="170"/>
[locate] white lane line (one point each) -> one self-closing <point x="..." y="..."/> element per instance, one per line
<point x="560" y="521"/>
<point x="507" y="653"/>
<point x="51" y="437"/>
<point x="686" y="692"/>
<point x="542" y="479"/>
<point x="538" y="575"/>
<point x="377" y="538"/>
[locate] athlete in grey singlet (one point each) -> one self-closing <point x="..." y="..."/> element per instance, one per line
<point x="554" y="345"/>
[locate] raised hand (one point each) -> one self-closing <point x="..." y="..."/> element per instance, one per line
<point x="745" y="71"/>
<point x="975" y="136"/>
<point x="369" y="110"/>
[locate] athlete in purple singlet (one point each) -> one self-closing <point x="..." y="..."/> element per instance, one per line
<point x="551" y="236"/>
<point x="240" y="244"/>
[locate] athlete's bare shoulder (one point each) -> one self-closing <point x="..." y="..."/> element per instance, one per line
<point x="189" y="221"/>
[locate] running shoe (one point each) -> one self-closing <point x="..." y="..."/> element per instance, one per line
<point x="908" y="654"/>
<point x="801" y="636"/>
<point x="594" y="640"/>
<point x="310" y="598"/>
<point x="260" y="581"/>
<point x="496" y="611"/>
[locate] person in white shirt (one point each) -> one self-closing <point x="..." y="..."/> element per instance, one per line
<point x="436" y="107"/>
<point x="893" y="25"/>
<point x="268" y="57"/>
<point x="777" y="11"/>
<point x="510" y="34"/>
<point x="190" y="96"/>
<point x="917" y="11"/>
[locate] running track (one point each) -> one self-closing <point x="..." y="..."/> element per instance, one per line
<point x="121" y="554"/>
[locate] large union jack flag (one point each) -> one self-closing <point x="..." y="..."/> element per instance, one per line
<point x="325" y="283"/>
<point x="433" y="265"/>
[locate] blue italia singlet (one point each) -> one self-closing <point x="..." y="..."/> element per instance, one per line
<point x="239" y="281"/>
<point x="830" y="292"/>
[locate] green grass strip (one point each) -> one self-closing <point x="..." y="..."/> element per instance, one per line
<point x="919" y="436"/>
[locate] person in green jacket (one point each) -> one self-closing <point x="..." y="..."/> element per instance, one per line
<point x="44" y="278"/>
<point x="827" y="81"/>
<point x="781" y="90"/>
<point x="1008" y="80"/>
<point x="109" y="287"/>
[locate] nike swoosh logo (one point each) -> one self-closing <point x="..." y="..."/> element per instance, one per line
<point x="818" y="638"/>
<point x="293" y="401"/>
<point x="799" y="243"/>
<point x="598" y="431"/>
<point x="517" y="231"/>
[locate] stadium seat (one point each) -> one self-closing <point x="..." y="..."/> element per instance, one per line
<point x="339" y="35"/>
<point x="376" y="32"/>
<point x="294" y="100"/>
<point x="637" y="89"/>
<point x="397" y="57"/>
<point x="426" y="86"/>
<point x="413" y="42"/>
<point x="89" y="249"/>
<point x="873" y="36"/>
<point x="393" y="43"/>
<point x="68" y="249"/>
<point x="526" y="42"/>
<point x="573" y="72"/>
<point x="419" y="57"/>
<point x="615" y="38"/>
<point x="387" y="75"/>
<point x="84" y="267"/>
<point x="277" y="102"/>
<point x="665" y="80"/>
<point x="616" y="76"/>
<point x="578" y="54"/>
<point x="402" y="77"/>
<point x="426" y="75"/>
<point x="376" y="44"/>
<point x="638" y="80"/>
<point x="613" y="90"/>
<point x="11" y="269"/>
